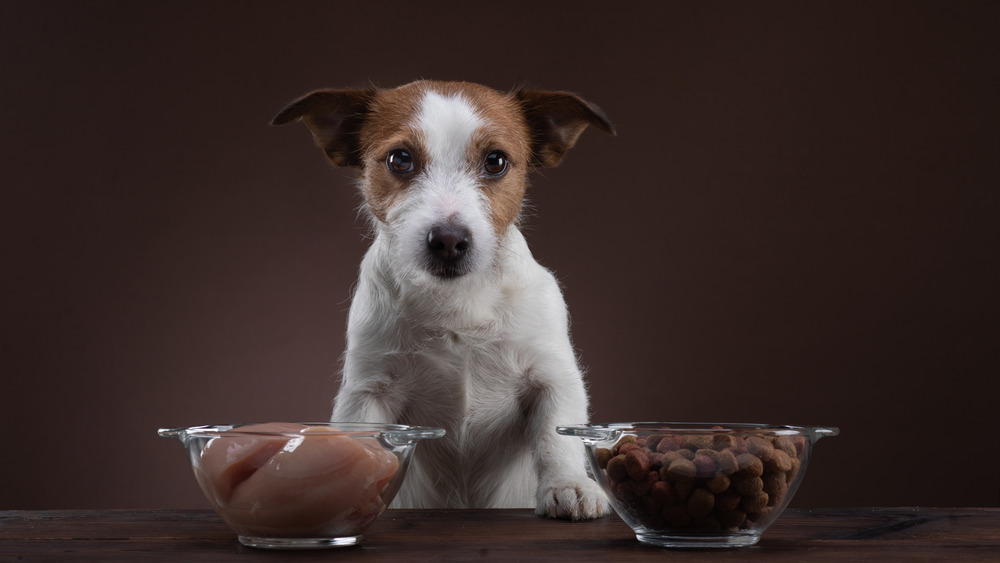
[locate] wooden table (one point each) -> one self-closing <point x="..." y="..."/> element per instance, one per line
<point x="861" y="534"/>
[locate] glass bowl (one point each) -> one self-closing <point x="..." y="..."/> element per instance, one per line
<point x="284" y="485"/>
<point x="698" y="485"/>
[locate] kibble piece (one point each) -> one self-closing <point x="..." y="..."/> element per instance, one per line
<point x="717" y="484"/>
<point x="708" y="452"/>
<point x="777" y="496"/>
<point x="668" y="444"/>
<point x="671" y="457"/>
<point x="628" y="447"/>
<point x="774" y="482"/>
<point x="780" y="461"/>
<point x="637" y="464"/>
<point x="704" y="466"/>
<point x="750" y="464"/>
<point x="726" y="461"/>
<point x="760" y="447"/>
<point x="701" y="503"/>
<point x="739" y="445"/>
<point x="652" y="440"/>
<point x="695" y="442"/>
<point x="663" y="493"/>
<point x="795" y="469"/>
<point x="754" y="518"/>
<point x="747" y="485"/>
<point x="603" y="455"/>
<point x="625" y="491"/>
<point x="800" y="445"/>
<point x="785" y="444"/>
<point x="722" y="441"/>
<point x="627" y="439"/>
<point x="617" y="470"/>
<point x="682" y="469"/>
<point x="755" y="503"/>
<point x="727" y="500"/>
<point x="665" y="462"/>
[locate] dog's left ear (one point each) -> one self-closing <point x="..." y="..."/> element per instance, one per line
<point x="335" y="118"/>
<point x="556" y="120"/>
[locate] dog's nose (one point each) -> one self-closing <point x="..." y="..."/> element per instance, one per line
<point x="449" y="242"/>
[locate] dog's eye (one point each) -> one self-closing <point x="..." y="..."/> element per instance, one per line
<point x="399" y="161"/>
<point x="496" y="163"/>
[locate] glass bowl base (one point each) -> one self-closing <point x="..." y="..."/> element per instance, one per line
<point x="299" y="543"/>
<point x="698" y="541"/>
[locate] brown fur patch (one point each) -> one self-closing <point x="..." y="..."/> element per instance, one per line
<point x="389" y="126"/>
<point x="506" y="131"/>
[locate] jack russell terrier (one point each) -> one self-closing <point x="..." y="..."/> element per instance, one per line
<point x="453" y="323"/>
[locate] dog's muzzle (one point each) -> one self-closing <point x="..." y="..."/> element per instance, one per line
<point x="447" y="248"/>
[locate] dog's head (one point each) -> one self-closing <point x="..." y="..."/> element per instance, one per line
<point x="444" y="164"/>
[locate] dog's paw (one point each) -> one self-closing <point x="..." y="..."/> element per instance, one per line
<point x="574" y="500"/>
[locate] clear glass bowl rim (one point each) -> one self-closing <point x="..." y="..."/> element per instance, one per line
<point x="393" y="432"/>
<point x="611" y="430"/>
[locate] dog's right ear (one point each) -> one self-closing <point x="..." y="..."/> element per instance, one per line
<point x="335" y="118"/>
<point x="557" y="119"/>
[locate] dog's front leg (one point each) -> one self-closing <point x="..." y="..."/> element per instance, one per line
<point x="361" y="404"/>
<point x="369" y="388"/>
<point x="564" y="488"/>
<point x="368" y="392"/>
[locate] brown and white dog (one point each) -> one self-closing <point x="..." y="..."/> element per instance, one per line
<point x="453" y="323"/>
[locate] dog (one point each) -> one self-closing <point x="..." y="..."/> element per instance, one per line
<point x="453" y="323"/>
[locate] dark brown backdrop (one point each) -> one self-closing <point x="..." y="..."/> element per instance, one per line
<point x="796" y="224"/>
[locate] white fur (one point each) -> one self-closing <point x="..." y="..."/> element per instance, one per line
<point x="486" y="356"/>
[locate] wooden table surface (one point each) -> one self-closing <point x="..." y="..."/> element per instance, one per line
<point x="860" y="534"/>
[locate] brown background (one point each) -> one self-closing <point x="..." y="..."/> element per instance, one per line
<point x="796" y="224"/>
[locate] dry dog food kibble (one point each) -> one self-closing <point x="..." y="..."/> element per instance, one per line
<point x="710" y="481"/>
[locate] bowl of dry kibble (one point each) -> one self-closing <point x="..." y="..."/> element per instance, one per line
<point x="698" y="485"/>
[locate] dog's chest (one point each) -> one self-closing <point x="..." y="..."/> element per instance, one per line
<point x="476" y="379"/>
<point x="472" y="388"/>
<point x="476" y="390"/>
